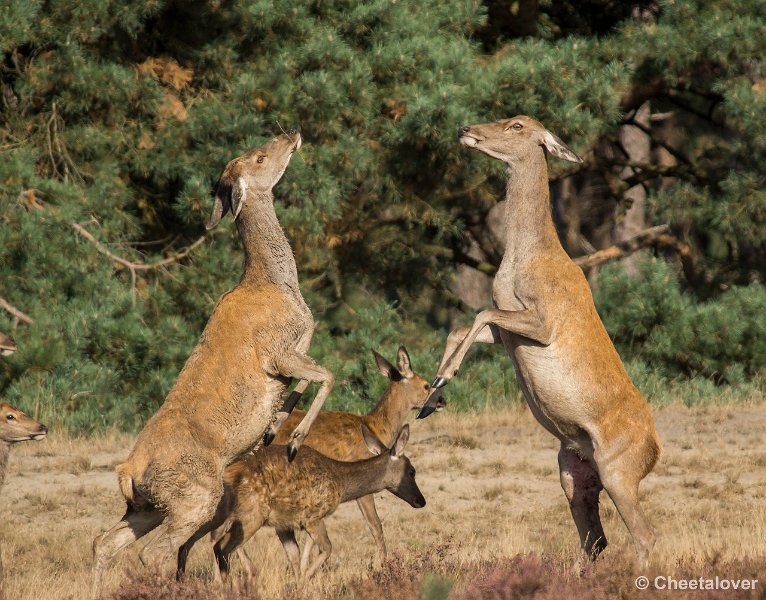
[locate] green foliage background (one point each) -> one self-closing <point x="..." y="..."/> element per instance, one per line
<point x="119" y="116"/>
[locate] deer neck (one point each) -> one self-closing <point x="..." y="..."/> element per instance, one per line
<point x="362" y="477"/>
<point x="268" y="255"/>
<point x="529" y="228"/>
<point x="5" y="450"/>
<point x="389" y="415"/>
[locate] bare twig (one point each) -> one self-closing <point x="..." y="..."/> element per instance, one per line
<point x="646" y="238"/>
<point x="132" y="266"/>
<point x="15" y="311"/>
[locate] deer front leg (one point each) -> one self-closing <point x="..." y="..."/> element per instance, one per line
<point x="284" y="413"/>
<point x="488" y="335"/>
<point x="485" y="329"/>
<point x="299" y="366"/>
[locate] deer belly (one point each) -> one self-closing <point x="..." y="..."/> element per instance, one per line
<point x="551" y="385"/>
<point x="253" y="411"/>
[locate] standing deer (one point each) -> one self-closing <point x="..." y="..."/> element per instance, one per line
<point x="228" y="392"/>
<point x="266" y="489"/>
<point x="15" y="426"/>
<point x="567" y="368"/>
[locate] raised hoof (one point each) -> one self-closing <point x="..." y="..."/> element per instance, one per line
<point x="292" y="452"/>
<point x="435" y="400"/>
<point x="425" y="411"/>
<point x="439" y="382"/>
<point x="269" y="436"/>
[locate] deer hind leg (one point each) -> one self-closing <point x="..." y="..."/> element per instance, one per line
<point x="130" y="528"/>
<point x="318" y="533"/>
<point x="308" y="546"/>
<point x="231" y="536"/>
<point x="299" y="366"/>
<point x="621" y="480"/>
<point x="367" y="506"/>
<point x="293" y="552"/>
<point x="187" y="516"/>
<point x="582" y="486"/>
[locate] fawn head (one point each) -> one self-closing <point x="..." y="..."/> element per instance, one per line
<point x="258" y="170"/>
<point x="400" y="474"/>
<point x="513" y="140"/>
<point x="409" y="387"/>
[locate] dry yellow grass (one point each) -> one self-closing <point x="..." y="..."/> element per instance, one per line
<point x="490" y="479"/>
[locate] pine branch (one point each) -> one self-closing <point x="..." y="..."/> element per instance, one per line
<point x="132" y="266"/>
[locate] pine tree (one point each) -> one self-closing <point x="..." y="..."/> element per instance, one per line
<point x="118" y="117"/>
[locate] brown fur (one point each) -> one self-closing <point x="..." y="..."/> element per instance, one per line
<point x="267" y="490"/>
<point x="338" y="435"/>
<point x="15" y="426"/>
<point x="232" y="384"/>
<point x="567" y="367"/>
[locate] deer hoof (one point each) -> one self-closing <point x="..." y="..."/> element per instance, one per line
<point x="269" y="436"/>
<point x="439" y="382"/>
<point x="292" y="452"/>
<point x="425" y="411"/>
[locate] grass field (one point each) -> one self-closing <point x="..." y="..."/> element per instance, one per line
<point x="496" y="524"/>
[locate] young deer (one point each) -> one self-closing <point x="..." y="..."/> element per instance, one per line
<point x="232" y="384"/>
<point x="567" y="367"/>
<point x="338" y="434"/>
<point x="15" y="426"/>
<point x="265" y="489"/>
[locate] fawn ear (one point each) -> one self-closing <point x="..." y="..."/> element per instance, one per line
<point x="403" y="363"/>
<point x="374" y="445"/>
<point x="401" y="441"/>
<point x="386" y="368"/>
<point x="229" y="196"/>
<point x="559" y="149"/>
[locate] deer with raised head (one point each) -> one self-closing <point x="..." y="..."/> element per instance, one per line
<point x="15" y="426"/>
<point x="231" y="386"/>
<point x="567" y="367"/>
<point x="265" y="489"/>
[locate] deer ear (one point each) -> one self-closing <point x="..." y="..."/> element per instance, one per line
<point x="374" y="445"/>
<point x="403" y="363"/>
<point x="228" y="196"/>
<point x="386" y="368"/>
<point x="559" y="149"/>
<point x="401" y="441"/>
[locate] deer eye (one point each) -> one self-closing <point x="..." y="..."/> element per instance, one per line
<point x="11" y="417"/>
<point x="517" y="126"/>
<point x="426" y="386"/>
<point x="261" y="159"/>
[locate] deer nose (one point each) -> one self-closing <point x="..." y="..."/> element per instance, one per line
<point x="43" y="428"/>
<point x="462" y="131"/>
<point x="292" y="131"/>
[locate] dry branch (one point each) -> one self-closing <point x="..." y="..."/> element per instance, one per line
<point x="132" y="266"/>
<point x="17" y="314"/>
<point x="648" y="237"/>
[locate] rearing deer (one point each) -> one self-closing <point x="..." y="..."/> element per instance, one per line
<point x="231" y="386"/>
<point x="567" y="368"/>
